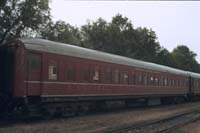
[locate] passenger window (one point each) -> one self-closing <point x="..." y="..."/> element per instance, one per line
<point x="145" y="80"/>
<point x="133" y="76"/>
<point x="180" y="83"/>
<point x="148" y="79"/>
<point x="108" y="75"/>
<point x="70" y="72"/>
<point x="125" y="78"/>
<point x="139" y="78"/>
<point x="196" y="84"/>
<point x="173" y="82"/>
<point x="186" y="83"/>
<point x="34" y="61"/>
<point x="85" y="73"/>
<point x="169" y="82"/>
<point x="161" y="81"/>
<point x="165" y="82"/>
<point x="52" y="72"/>
<point x="176" y="83"/>
<point x="183" y="83"/>
<point x="156" y="81"/>
<point x="96" y="74"/>
<point x="152" y="80"/>
<point x="116" y="76"/>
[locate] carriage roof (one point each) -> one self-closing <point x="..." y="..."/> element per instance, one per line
<point x="76" y="51"/>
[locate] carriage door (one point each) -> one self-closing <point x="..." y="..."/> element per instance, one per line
<point x="34" y="74"/>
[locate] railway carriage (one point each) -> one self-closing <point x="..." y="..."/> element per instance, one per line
<point x="62" y="78"/>
<point x="194" y="84"/>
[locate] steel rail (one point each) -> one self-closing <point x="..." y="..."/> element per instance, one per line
<point x="167" y="130"/>
<point x="147" y="123"/>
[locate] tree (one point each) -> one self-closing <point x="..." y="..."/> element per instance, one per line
<point x="121" y="33"/>
<point x="147" y="44"/>
<point x="185" y="58"/>
<point x="113" y="37"/>
<point x="61" y="32"/>
<point x="95" y="35"/>
<point x="119" y="37"/>
<point x="17" y="17"/>
<point x="164" y="57"/>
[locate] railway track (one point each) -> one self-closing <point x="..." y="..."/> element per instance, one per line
<point x="162" y="125"/>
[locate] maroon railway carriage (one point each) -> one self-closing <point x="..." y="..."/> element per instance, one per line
<point x="194" y="84"/>
<point x="47" y="72"/>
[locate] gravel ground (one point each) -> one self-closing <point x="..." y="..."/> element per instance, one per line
<point x="97" y="122"/>
<point x="190" y="128"/>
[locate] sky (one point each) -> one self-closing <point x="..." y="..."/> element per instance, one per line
<point x="175" y="22"/>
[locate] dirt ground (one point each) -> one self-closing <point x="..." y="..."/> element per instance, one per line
<point x="190" y="128"/>
<point x="98" y="122"/>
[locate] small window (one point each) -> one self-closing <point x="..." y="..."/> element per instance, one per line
<point x="186" y="83"/>
<point x="195" y="84"/>
<point x="85" y="74"/>
<point x="116" y="76"/>
<point x="96" y="74"/>
<point x="156" y="81"/>
<point x="177" y="83"/>
<point x="139" y="78"/>
<point x="183" y="83"/>
<point x="173" y="82"/>
<point x="133" y="78"/>
<point x="152" y="80"/>
<point x="108" y="75"/>
<point x="52" y="72"/>
<point x="145" y="80"/>
<point x="125" y="78"/>
<point x="34" y="61"/>
<point x="165" y="82"/>
<point x="161" y="81"/>
<point x="170" y="82"/>
<point x="180" y="83"/>
<point x="70" y="73"/>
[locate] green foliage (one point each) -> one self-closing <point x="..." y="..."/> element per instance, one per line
<point x="61" y="32"/>
<point x="147" y="46"/>
<point x="164" y="57"/>
<point x="95" y="33"/>
<point x="119" y="37"/>
<point x="109" y="37"/>
<point x="17" y="17"/>
<point x="185" y="59"/>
